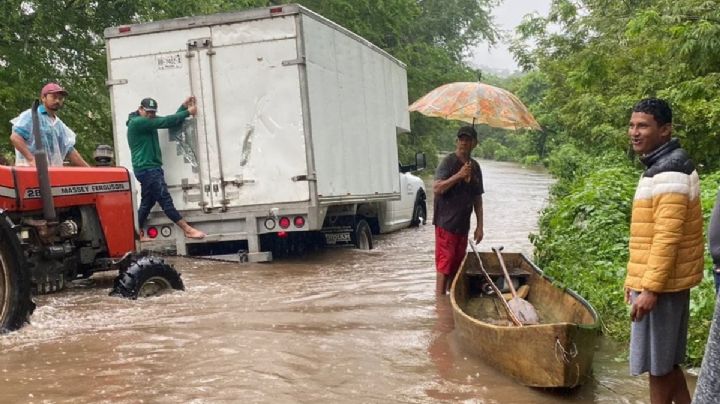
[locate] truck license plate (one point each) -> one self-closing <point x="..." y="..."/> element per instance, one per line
<point x="333" y="238"/>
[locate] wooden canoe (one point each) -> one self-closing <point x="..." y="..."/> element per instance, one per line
<point x="558" y="352"/>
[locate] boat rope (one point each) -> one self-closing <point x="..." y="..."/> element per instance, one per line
<point x="562" y="354"/>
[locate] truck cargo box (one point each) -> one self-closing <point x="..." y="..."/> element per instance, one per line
<point x="296" y="115"/>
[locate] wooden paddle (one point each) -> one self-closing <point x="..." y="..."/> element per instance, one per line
<point x="521" y="308"/>
<point x="509" y="311"/>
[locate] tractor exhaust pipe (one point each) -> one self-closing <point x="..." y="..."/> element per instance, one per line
<point x="41" y="164"/>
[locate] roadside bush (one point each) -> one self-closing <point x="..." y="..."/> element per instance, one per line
<point x="504" y="154"/>
<point x="487" y="148"/>
<point x="583" y="240"/>
<point x="530" y="161"/>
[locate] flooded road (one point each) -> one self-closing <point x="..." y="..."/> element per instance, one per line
<point x="340" y="325"/>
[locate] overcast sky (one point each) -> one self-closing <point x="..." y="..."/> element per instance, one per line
<point x="507" y="16"/>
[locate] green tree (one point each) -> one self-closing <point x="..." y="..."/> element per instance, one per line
<point x="62" y="40"/>
<point x="602" y="56"/>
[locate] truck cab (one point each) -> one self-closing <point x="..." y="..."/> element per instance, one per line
<point x="411" y="209"/>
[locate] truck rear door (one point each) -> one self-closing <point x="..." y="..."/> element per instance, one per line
<point x="247" y="77"/>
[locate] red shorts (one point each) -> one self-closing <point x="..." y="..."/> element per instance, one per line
<point x="449" y="250"/>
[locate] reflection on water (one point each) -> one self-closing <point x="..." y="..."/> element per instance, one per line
<point x="339" y="325"/>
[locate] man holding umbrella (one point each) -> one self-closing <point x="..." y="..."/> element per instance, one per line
<point x="458" y="186"/>
<point x="458" y="190"/>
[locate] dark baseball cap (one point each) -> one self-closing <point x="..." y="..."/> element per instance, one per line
<point x="149" y="104"/>
<point x="467" y="131"/>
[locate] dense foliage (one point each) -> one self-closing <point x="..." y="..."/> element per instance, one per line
<point x="62" y="40"/>
<point x="591" y="61"/>
<point x="594" y="58"/>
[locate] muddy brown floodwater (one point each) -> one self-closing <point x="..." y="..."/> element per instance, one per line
<point x="335" y="326"/>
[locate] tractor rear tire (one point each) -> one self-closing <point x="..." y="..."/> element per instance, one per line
<point x="148" y="276"/>
<point x="16" y="303"/>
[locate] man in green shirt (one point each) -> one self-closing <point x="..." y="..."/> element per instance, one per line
<point x="142" y="136"/>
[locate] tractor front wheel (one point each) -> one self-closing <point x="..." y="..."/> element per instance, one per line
<point x="16" y="303"/>
<point x="148" y="276"/>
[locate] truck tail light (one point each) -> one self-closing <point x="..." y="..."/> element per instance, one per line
<point x="284" y="222"/>
<point x="269" y="223"/>
<point x="124" y="29"/>
<point x="299" y="221"/>
<point x="276" y="10"/>
<point x="152" y="232"/>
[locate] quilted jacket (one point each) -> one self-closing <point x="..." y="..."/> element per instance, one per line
<point x="666" y="230"/>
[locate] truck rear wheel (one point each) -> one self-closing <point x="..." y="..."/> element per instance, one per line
<point x="362" y="236"/>
<point x="148" y="276"/>
<point x="16" y="303"/>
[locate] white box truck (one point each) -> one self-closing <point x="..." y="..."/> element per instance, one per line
<point x="295" y="139"/>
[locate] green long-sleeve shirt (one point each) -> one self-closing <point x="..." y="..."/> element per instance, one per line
<point x="142" y="135"/>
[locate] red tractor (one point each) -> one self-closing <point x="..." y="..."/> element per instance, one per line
<point x="58" y="224"/>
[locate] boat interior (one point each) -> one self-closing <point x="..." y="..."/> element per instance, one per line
<point x="552" y="302"/>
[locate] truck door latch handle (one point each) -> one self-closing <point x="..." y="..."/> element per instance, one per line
<point x="238" y="183"/>
<point x="303" y="178"/>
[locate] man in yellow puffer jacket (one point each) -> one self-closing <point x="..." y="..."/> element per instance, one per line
<point x="666" y="252"/>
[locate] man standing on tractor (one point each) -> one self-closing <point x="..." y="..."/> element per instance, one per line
<point x="58" y="139"/>
<point x="142" y="136"/>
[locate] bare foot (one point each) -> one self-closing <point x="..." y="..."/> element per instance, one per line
<point x="190" y="232"/>
<point x="143" y="238"/>
<point x="194" y="233"/>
